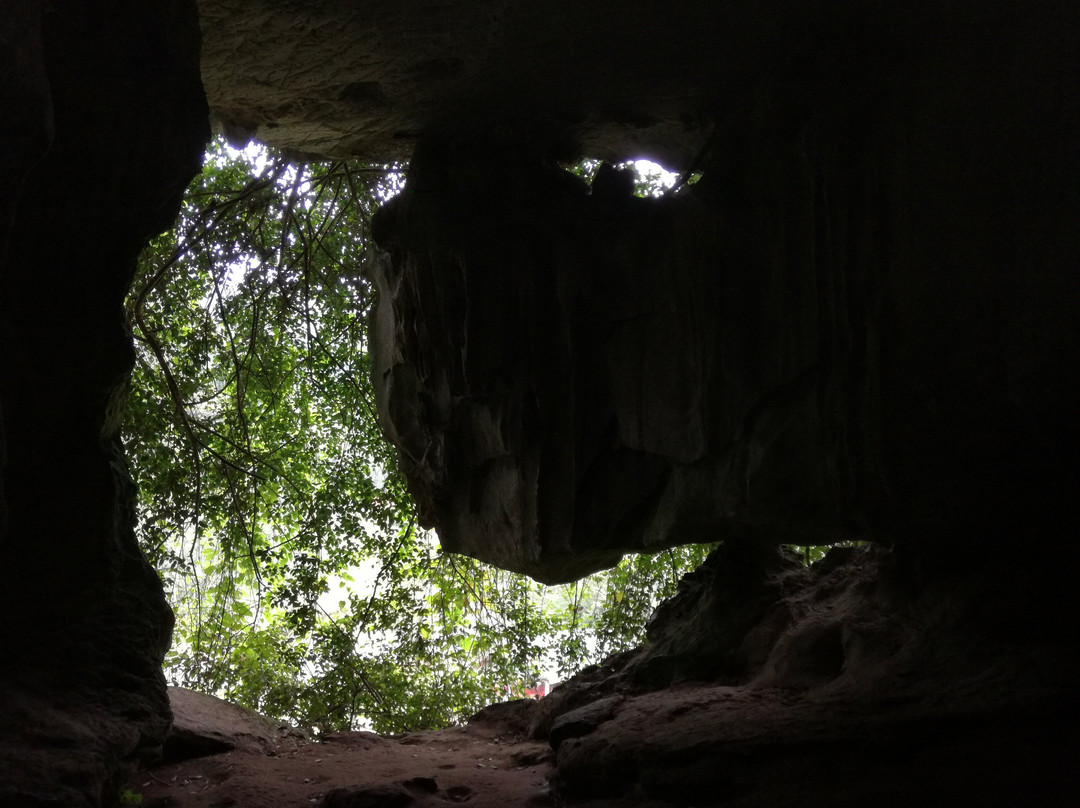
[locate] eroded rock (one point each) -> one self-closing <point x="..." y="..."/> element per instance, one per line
<point x="882" y="676"/>
<point x="204" y="725"/>
<point x="366" y="79"/>
<point x="837" y="334"/>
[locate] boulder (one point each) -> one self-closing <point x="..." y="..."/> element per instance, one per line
<point x="205" y="725"/>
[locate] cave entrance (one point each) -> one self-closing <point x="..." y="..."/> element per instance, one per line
<point x="271" y="504"/>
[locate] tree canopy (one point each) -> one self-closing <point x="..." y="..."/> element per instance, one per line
<point x="272" y="506"/>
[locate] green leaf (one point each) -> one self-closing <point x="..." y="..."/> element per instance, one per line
<point x="263" y="477"/>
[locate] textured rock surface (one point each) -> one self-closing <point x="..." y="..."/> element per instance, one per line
<point x="859" y="329"/>
<point x="104" y="121"/>
<point x="855" y="326"/>
<point x="572" y="375"/>
<point x="204" y="725"/>
<point x="342" y="78"/>
<point x="871" y="678"/>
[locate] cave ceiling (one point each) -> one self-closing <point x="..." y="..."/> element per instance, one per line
<point x="848" y="339"/>
<point x="336" y="78"/>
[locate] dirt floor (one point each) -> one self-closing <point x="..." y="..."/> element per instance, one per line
<point x="471" y="765"/>
<point x="853" y="692"/>
<point x="695" y="744"/>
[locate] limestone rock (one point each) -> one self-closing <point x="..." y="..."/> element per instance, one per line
<point x="75" y="746"/>
<point x="824" y="339"/>
<point x="879" y="676"/>
<point x="846" y="333"/>
<point x="205" y="725"/>
<point x="722" y="623"/>
<point x="583" y="720"/>
<point x="339" y="78"/>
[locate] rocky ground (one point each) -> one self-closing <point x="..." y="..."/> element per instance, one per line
<point x="856" y="682"/>
<point x="485" y="764"/>
<point x="690" y="745"/>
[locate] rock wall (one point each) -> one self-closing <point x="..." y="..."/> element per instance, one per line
<point x="874" y="677"/>
<point x="105" y="122"/>
<point x="855" y="326"/>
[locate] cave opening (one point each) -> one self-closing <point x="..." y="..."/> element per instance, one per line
<point x="268" y="500"/>
<point x="270" y="504"/>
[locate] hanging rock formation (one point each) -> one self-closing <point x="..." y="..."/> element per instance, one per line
<point x="852" y="328"/>
<point x="860" y="323"/>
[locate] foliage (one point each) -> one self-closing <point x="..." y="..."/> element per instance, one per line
<point x="272" y="506"/>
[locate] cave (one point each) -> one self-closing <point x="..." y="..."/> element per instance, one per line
<point x="858" y="325"/>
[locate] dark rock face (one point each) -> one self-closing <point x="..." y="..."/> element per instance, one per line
<point x="853" y="327"/>
<point x="858" y="324"/>
<point x="367" y="78"/>
<point x="867" y="678"/>
<point x="105" y="123"/>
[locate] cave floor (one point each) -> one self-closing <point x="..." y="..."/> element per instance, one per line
<point x="469" y="764"/>
<point x="695" y="744"/>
